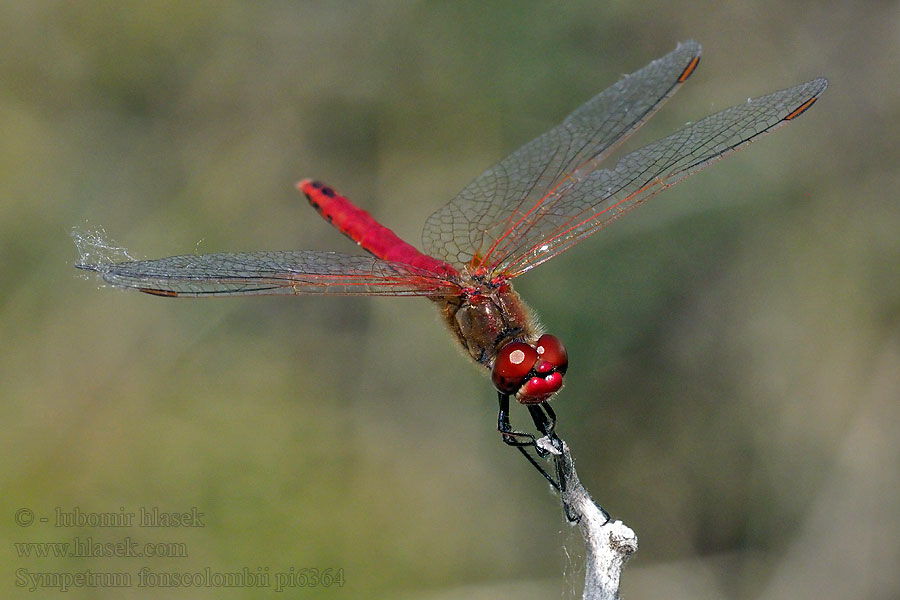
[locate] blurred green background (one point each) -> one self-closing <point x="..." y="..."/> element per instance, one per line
<point x="735" y="344"/>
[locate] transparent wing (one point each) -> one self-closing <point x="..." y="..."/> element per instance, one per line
<point x="254" y="273"/>
<point x="465" y="230"/>
<point x="596" y="197"/>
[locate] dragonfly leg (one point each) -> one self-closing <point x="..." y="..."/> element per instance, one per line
<point x="540" y="470"/>
<point x="545" y="423"/>
<point x="552" y="418"/>
<point x="563" y="462"/>
<point x="511" y="437"/>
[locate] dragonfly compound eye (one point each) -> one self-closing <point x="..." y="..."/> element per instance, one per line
<point x="551" y="349"/>
<point x="514" y="361"/>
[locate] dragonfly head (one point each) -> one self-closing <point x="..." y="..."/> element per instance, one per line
<point x="532" y="372"/>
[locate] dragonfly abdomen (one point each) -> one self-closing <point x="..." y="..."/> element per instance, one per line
<point x="362" y="228"/>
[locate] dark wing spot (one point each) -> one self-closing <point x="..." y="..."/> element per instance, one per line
<point x="164" y="293"/>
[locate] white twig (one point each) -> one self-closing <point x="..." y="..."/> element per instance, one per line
<point x="608" y="544"/>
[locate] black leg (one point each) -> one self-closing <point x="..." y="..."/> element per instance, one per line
<point x="543" y="423"/>
<point x="540" y="470"/>
<point x="563" y="485"/>
<point x="551" y="416"/>
<point x="510" y="435"/>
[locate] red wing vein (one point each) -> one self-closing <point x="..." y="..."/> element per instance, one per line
<point x="254" y="273"/>
<point x="603" y="194"/>
<point x="489" y="211"/>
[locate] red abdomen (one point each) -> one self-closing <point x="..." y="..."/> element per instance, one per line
<point x="363" y="229"/>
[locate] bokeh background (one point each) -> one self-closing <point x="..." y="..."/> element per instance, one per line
<point x="735" y="344"/>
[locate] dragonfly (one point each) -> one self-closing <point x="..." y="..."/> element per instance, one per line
<point x="535" y="204"/>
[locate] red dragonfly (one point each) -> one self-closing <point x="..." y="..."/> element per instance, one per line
<point x="541" y="200"/>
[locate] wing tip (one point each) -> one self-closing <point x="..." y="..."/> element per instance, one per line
<point x="692" y="50"/>
<point x="816" y="87"/>
<point x="692" y="46"/>
<point x="819" y="84"/>
<point x="88" y="267"/>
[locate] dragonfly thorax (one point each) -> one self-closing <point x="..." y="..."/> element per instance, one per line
<point x="484" y="318"/>
<point x="488" y="318"/>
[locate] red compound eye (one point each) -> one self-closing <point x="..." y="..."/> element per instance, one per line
<point x="513" y="363"/>
<point x="551" y="349"/>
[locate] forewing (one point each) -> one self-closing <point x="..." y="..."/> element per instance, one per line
<point x="255" y="273"/>
<point x="465" y="230"/>
<point x="599" y="196"/>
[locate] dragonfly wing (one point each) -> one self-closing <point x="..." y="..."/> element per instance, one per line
<point x="598" y="196"/>
<point x="255" y="273"/>
<point x="465" y="230"/>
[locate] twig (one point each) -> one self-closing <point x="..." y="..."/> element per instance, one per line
<point x="608" y="544"/>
